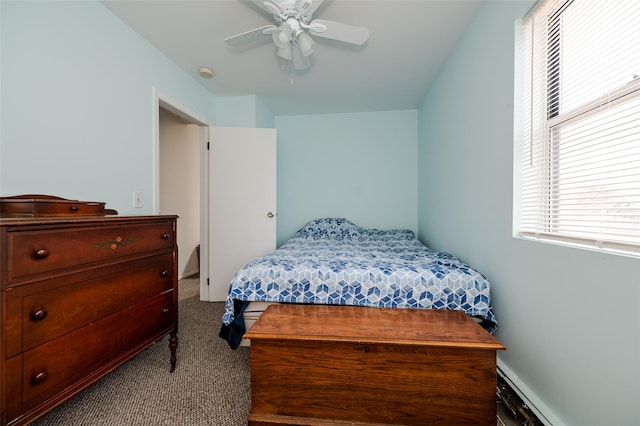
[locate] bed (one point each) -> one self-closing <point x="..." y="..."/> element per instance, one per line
<point x="333" y="261"/>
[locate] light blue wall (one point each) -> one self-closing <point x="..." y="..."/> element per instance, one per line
<point x="359" y="166"/>
<point x="243" y="111"/>
<point x="77" y="110"/>
<point x="264" y="116"/>
<point x="569" y="318"/>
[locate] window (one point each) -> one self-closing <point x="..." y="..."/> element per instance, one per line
<point x="577" y="124"/>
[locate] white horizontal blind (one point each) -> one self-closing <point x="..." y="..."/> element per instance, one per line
<point x="579" y="136"/>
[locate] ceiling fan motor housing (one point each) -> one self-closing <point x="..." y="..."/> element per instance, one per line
<point x="297" y="9"/>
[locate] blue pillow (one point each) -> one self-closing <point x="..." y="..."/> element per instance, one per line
<point x="329" y="228"/>
<point x="388" y="235"/>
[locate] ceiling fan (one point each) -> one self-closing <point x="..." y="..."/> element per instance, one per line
<point x="293" y="19"/>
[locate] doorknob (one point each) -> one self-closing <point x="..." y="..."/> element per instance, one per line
<point x="270" y="215"/>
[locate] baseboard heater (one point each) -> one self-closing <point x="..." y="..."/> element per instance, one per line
<point x="514" y="404"/>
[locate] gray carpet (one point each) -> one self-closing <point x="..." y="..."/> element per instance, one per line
<point x="210" y="385"/>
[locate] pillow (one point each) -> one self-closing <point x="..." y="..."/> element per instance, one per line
<point x="329" y="228"/>
<point x="388" y="235"/>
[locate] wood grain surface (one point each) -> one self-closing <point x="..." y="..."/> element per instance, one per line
<point x="371" y="366"/>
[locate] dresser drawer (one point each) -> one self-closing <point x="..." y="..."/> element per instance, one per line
<point x="36" y="252"/>
<point x="81" y="295"/>
<point x="42" y="372"/>
<point x="44" y="311"/>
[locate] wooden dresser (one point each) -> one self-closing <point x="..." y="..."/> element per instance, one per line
<point x="349" y="365"/>
<point x="80" y="296"/>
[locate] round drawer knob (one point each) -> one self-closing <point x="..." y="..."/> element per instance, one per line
<point x="367" y="349"/>
<point x="39" y="314"/>
<point x="165" y="311"/>
<point x="41" y="253"/>
<point x="74" y="208"/>
<point x="39" y="377"/>
<point x="165" y="236"/>
<point x="164" y="274"/>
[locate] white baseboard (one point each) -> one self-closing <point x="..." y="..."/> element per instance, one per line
<point x="544" y="414"/>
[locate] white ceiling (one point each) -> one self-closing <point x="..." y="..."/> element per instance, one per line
<point x="409" y="42"/>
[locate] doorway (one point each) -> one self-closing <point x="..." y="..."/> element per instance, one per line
<point x="179" y="185"/>
<point x="180" y="182"/>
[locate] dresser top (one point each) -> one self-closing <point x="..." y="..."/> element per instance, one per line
<point x="421" y="327"/>
<point x="79" y="220"/>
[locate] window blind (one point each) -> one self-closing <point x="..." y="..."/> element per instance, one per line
<point x="578" y="123"/>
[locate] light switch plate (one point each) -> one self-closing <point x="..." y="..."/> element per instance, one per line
<point x="137" y="200"/>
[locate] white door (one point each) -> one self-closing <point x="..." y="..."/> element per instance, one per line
<point x="242" y="209"/>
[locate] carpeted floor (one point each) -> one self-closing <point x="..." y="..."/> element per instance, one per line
<point x="210" y="385"/>
<point x="188" y="287"/>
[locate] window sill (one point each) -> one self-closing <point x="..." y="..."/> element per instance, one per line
<point x="578" y="245"/>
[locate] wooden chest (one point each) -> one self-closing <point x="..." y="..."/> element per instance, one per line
<point x="338" y="365"/>
<point x="80" y="296"/>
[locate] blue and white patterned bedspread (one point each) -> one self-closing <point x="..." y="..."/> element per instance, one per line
<point x="333" y="261"/>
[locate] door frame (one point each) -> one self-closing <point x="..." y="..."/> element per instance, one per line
<point x="160" y="99"/>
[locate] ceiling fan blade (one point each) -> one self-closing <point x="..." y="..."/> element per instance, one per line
<point x="300" y="62"/>
<point x="273" y="9"/>
<point x="315" y="4"/>
<point x="259" y="3"/>
<point x="341" y="32"/>
<point x="250" y="36"/>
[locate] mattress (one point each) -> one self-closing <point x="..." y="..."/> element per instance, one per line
<point x="334" y="261"/>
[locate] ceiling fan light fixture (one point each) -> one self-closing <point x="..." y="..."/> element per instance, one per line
<point x="282" y="36"/>
<point x="286" y="52"/>
<point x="305" y="43"/>
<point x="293" y="30"/>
